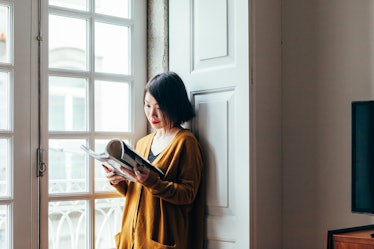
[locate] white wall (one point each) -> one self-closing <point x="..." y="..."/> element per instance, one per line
<point x="327" y="60"/>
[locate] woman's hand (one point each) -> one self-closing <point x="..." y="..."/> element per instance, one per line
<point x="140" y="174"/>
<point x="112" y="177"/>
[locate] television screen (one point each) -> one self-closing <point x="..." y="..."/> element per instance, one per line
<point x="363" y="156"/>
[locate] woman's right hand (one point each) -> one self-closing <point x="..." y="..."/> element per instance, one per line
<point x="112" y="177"/>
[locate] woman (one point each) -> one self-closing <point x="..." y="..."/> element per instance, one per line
<point x="168" y="212"/>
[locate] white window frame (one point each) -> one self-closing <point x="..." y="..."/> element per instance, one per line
<point x="137" y="77"/>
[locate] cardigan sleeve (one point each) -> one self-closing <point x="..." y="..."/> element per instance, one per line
<point x="121" y="187"/>
<point x="183" y="175"/>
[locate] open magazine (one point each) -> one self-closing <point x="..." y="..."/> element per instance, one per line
<point x="117" y="153"/>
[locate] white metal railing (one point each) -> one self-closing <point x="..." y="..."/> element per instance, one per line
<point x="68" y="221"/>
<point x="77" y="186"/>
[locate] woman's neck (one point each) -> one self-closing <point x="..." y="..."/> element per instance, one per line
<point x="167" y="132"/>
<point x="163" y="138"/>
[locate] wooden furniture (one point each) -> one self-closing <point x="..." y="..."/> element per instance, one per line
<point x="351" y="238"/>
<point x="354" y="240"/>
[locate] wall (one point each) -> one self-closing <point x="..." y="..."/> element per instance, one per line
<point x="266" y="149"/>
<point x="327" y="62"/>
<point x="157" y="37"/>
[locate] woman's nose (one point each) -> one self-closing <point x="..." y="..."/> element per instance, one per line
<point x="153" y="111"/>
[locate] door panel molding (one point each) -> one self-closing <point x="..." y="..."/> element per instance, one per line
<point x="212" y="35"/>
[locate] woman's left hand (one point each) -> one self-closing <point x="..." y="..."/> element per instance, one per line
<point x="140" y="174"/>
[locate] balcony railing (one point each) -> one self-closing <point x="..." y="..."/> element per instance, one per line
<point x="69" y="222"/>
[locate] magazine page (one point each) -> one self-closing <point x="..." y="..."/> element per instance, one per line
<point x="110" y="162"/>
<point x="118" y="149"/>
<point x="117" y="153"/>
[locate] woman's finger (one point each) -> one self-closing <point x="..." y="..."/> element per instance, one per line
<point x="106" y="168"/>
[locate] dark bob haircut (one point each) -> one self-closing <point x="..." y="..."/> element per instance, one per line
<point x="170" y="93"/>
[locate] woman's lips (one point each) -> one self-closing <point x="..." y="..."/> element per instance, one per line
<point x="155" y="122"/>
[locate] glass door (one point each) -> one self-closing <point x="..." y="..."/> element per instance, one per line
<point x="92" y="92"/>
<point x="18" y="193"/>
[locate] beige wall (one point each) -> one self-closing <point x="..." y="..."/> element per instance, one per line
<point x="327" y="62"/>
<point x="266" y="157"/>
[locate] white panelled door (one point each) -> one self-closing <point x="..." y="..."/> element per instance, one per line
<point x="209" y="49"/>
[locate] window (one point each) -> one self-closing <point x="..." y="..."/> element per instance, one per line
<point x="94" y="82"/>
<point x="6" y="124"/>
<point x="82" y="82"/>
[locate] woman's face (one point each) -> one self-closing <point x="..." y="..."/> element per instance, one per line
<point x="153" y="112"/>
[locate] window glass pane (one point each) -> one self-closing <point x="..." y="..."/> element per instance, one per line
<point x="67" y="43"/>
<point x="4" y="226"/>
<point x="118" y="8"/>
<point x="68" y="224"/>
<point x="101" y="182"/>
<point x="4" y="101"/>
<point x="67" y="167"/>
<point x="108" y="217"/>
<point x="111" y="106"/>
<point x="111" y="48"/>
<point x="71" y="4"/>
<point x="5" y="33"/>
<point x="5" y="164"/>
<point x="67" y="104"/>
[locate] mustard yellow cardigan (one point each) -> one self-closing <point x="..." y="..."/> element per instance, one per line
<point x="169" y="212"/>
